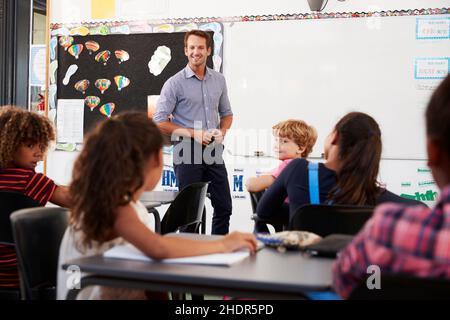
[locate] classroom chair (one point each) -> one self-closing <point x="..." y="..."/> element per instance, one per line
<point x="10" y="202"/>
<point x="260" y="222"/>
<point x="404" y="287"/>
<point x="38" y="233"/>
<point x="324" y="220"/>
<point x="186" y="213"/>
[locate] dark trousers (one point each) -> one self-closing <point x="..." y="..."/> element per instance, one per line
<point x="219" y="188"/>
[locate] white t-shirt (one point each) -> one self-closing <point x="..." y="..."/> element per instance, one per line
<point x="69" y="251"/>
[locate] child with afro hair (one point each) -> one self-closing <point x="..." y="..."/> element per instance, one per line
<point x="24" y="140"/>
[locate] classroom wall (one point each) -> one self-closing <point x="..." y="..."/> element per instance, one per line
<point x="410" y="177"/>
<point x="78" y="11"/>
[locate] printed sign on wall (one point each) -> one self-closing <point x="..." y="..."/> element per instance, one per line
<point x="432" y="68"/>
<point x="433" y="28"/>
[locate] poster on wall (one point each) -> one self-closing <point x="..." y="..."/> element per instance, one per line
<point x="37" y="65"/>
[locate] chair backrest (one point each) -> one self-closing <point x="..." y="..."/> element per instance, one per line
<point x="38" y="233"/>
<point x="389" y="196"/>
<point x="185" y="212"/>
<point x="10" y="202"/>
<point x="399" y="287"/>
<point x="254" y="199"/>
<point x="324" y="220"/>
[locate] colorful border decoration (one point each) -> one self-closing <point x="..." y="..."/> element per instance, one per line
<point x="432" y="32"/>
<point x="126" y="27"/>
<point x="432" y="68"/>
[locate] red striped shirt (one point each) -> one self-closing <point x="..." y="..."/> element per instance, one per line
<point x="9" y="275"/>
<point x="34" y="185"/>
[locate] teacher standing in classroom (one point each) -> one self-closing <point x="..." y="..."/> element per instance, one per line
<point x="197" y="99"/>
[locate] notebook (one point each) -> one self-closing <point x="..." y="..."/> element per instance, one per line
<point x="217" y="259"/>
<point x="329" y="246"/>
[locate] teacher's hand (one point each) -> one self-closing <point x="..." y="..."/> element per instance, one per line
<point x="203" y="137"/>
<point x="218" y="135"/>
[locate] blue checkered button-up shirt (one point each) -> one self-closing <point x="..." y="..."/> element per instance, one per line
<point x="194" y="102"/>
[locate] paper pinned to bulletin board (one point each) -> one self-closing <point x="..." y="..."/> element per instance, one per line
<point x="103" y="9"/>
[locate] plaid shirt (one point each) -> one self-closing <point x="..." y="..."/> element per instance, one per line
<point x="407" y="240"/>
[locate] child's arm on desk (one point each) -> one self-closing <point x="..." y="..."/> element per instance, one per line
<point x="129" y="227"/>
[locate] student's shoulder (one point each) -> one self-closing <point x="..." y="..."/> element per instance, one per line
<point x="130" y="210"/>
<point x="40" y="175"/>
<point x="297" y="164"/>
<point x="17" y="172"/>
<point x="388" y="196"/>
<point x="392" y="212"/>
<point x="401" y="219"/>
<point x="297" y="161"/>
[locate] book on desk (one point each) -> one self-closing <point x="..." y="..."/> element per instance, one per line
<point x="130" y="252"/>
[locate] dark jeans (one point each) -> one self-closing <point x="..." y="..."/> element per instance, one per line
<point x="219" y="188"/>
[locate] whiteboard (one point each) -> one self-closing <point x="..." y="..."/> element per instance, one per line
<point x="318" y="70"/>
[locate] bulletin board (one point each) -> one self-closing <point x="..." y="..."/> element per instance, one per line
<point x="81" y="61"/>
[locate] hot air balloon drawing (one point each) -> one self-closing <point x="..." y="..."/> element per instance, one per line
<point x="122" y="55"/>
<point x="91" y="102"/>
<point x="103" y="56"/>
<point x="92" y="46"/>
<point x="82" y="85"/>
<point x="65" y="42"/>
<point x="76" y="50"/>
<point x="121" y="82"/>
<point x="107" y="109"/>
<point x="102" y="84"/>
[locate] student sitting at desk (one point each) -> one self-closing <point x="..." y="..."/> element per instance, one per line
<point x="293" y="139"/>
<point x="121" y="158"/>
<point x="408" y="240"/>
<point x="24" y="139"/>
<point x="352" y="154"/>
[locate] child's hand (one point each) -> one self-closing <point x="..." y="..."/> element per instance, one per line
<point x="238" y="240"/>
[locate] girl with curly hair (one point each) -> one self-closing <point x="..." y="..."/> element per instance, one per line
<point x="24" y="140"/>
<point x="121" y="158"/>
